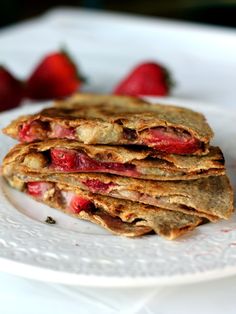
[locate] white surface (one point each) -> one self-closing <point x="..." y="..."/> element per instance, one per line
<point x="204" y="65"/>
<point x="23" y="296"/>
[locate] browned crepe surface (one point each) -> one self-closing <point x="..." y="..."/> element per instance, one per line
<point x="211" y="197"/>
<point x="105" y="123"/>
<point x="122" y="217"/>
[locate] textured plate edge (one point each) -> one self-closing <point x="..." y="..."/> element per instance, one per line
<point x="47" y="275"/>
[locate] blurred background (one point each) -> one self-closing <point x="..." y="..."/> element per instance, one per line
<point x="218" y="12"/>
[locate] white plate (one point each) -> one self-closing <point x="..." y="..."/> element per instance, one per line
<point x="77" y="252"/>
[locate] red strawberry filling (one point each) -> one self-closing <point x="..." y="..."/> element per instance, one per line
<point x="31" y="131"/>
<point x="78" y="204"/>
<point x="72" y="160"/>
<point x="38" y="130"/>
<point x="171" y="141"/>
<point x="38" y="189"/>
<point x="168" y="140"/>
<point x="97" y="186"/>
<point x="63" y="159"/>
<point x="73" y="203"/>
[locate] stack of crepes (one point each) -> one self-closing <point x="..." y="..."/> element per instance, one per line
<point x="122" y="163"/>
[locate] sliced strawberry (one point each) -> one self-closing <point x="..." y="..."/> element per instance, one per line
<point x="96" y="185"/>
<point x="55" y="76"/>
<point x="64" y="159"/>
<point x="116" y="167"/>
<point x="37" y="189"/>
<point x="150" y="79"/>
<point x="31" y="131"/>
<point x="11" y="90"/>
<point x="71" y="160"/>
<point x="78" y="203"/>
<point x="171" y="141"/>
<point x="84" y="162"/>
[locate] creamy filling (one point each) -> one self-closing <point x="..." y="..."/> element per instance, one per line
<point x="165" y="139"/>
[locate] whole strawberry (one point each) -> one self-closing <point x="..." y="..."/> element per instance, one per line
<point x="11" y="90"/>
<point x="148" y="79"/>
<point x="56" y="76"/>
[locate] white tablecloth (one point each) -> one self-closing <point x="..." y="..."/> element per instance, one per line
<point x="106" y="46"/>
<point x="23" y="296"/>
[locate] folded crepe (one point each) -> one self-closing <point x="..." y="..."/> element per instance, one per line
<point x="38" y="162"/>
<point x="120" y="217"/>
<point x="211" y="197"/>
<point x="70" y="156"/>
<point x="117" y="120"/>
